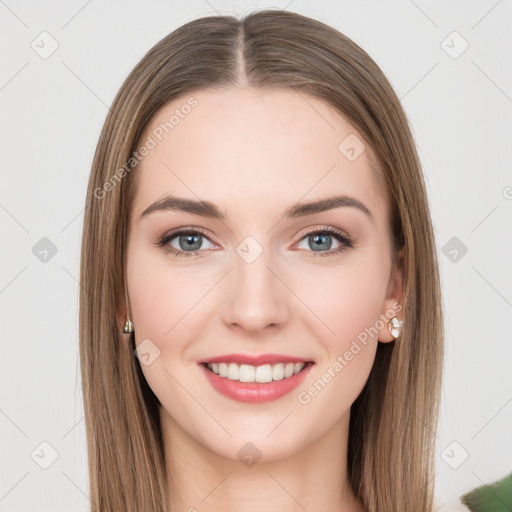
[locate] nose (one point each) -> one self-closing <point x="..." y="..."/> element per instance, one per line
<point x="257" y="296"/>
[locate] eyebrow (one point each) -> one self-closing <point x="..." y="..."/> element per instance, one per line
<point x="208" y="209"/>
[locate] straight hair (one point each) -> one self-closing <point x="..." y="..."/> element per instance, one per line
<point x="394" y="419"/>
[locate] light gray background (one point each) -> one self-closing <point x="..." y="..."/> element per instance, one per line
<point x="52" y="110"/>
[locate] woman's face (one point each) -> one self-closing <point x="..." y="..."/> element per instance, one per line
<point x="257" y="282"/>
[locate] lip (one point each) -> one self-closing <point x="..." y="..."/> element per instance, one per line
<point x="255" y="392"/>
<point x="255" y="360"/>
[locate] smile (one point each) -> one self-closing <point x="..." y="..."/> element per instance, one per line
<point x="255" y="384"/>
<point x="249" y="373"/>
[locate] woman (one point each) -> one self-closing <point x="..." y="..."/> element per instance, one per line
<point x="260" y="312"/>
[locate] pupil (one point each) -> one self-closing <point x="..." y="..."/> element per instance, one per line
<point x="188" y="241"/>
<point x="317" y="241"/>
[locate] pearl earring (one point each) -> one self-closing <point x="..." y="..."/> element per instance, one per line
<point x="394" y="327"/>
<point x="128" y="326"/>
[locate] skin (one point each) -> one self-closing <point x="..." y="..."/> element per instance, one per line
<point x="254" y="153"/>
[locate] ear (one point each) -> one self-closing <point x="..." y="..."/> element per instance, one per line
<point x="393" y="303"/>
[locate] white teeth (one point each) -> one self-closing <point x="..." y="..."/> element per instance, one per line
<point x="264" y="373"/>
<point x="278" y="371"/>
<point x="248" y="373"/>
<point x="223" y="369"/>
<point x="233" y="371"/>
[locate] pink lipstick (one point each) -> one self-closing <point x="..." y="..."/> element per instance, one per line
<point x="255" y="379"/>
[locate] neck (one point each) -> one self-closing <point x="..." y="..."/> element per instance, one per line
<point x="314" y="478"/>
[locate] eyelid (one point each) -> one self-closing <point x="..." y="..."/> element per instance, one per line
<point x="164" y="240"/>
<point x="190" y="229"/>
<point x="338" y="233"/>
<point x="304" y="232"/>
<point x="330" y="229"/>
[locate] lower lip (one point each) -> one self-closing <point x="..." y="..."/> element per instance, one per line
<point x="255" y="392"/>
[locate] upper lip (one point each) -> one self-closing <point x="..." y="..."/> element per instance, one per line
<point x="254" y="360"/>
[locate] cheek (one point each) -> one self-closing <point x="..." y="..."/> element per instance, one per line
<point x="168" y="302"/>
<point x="348" y="306"/>
<point x="351" y="309"/>
<point x="347" y="300"/>
<point x="162" y="300"/>
<point x="159" y="296"/>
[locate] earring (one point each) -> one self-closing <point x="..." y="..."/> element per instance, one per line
<point x="128" y="326"/>
<point x="394" y="327"/>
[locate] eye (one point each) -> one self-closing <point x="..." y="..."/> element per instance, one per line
<point x="321" y="239"/>
<point x="186" y="238"/>
<point x="188" y="242"/>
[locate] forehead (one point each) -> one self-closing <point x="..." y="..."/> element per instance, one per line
<point x="246" y="149"/>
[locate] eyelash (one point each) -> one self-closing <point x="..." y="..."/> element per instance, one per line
<point x="342" y="237"/>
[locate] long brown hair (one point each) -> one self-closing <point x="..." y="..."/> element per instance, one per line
<point x="394" y="419"/>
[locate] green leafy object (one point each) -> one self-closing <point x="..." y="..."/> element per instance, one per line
<point x="496" y="497"/>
